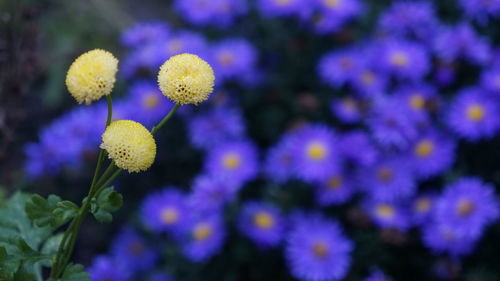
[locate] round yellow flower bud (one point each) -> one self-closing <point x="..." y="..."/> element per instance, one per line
<point x="186" y="79"/>
<point x="130" y="145"/>
<point x="92" y="75"/>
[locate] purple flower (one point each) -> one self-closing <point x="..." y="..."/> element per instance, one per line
<point x="444" y="238"/>
<point x="390" y="178"/>
<point x="404" y="59"/>
<point x="333" y="14"/>
<point x="472" y="115"/>
<point x="415" y="99"/>
<point x="64" y="141"/>
<point x="317" y="250"/>
<point x="336" y="189"/>
<point x="219" y="13"/>
<point x="490" y="81"/>
<point x="388" y="214"/>
<point x="203" y="237"/>
<point x="106" y="269"/>
<point x="211" y="194"/>
<point x="481" y="9"/>
<point x="356" y="147"/>
<point x="235" y="161"/>
<point x="467" y="205"/>
<point x="337" y="67"/>
<point x="422" y="208"/>
<point x="234" y="58"/>
<point x="391" y="124"/>
<point x="164" y="210"/>
<point x="368" y="81"/>
<point x="143" y="33"/>
<point x="271" y="8"/>
<point x="218" y="125"/>
<point x="461" y="41"/>
<point x="143" y="60"/>
<point x="315" y="152"/>
<point x="417" y="19"/>
<point x="432" y="153"/>
<point x="132" y="251"/>
<point x="280" y="161"/>
<point x="377" y="275"/>
<point x="346" y="109"/>
<point x="262" y="222"/>
<point x="149" y="105"/>
<point x="183" y="41"/>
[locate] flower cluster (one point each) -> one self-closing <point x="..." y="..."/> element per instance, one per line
<point x="386" y="144"/>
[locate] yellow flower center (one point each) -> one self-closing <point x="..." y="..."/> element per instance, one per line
<point x="399" y="59"/>
<point x="150" y="101"/>
<point x="136" y="248"/>
<point x="385" y="211"/>
<point x="263" y="220"/>
<point x="345" y="63"/>
<point x="465" y="208"/>
<point x="335" y="183"/>
<point x="367" y="77"/>
<point x="316" y="151"/>
<point x="226" y="58"/>
<point x="385" y="174"/>
<point x="424" y="148"/>
<point x="349" y="103"/>
<point x="417" y="101"/>
<point x="169" y="216"/>
<point x="202" y="232"/>
<point x="320" y="250"/>
<point x="423" y="205"/>
<point x="475" y="112"/>
<point x="332" y="3"/>
<point x="174" y="46"/>
<point x="283" y="2"/>
<point x="232" y="161"/>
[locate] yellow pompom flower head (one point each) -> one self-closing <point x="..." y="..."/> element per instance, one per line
<point x="92" y="75"/>
<point x="186" y="79"/>
<point x="130" y="145"/>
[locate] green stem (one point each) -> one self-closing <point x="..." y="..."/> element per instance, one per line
<point x="101" y="151"/>
<point x="110" y="110"/>
<point x="111" y="173"/>
<point x="69" y="233"/>
<point x="165" y="119"/>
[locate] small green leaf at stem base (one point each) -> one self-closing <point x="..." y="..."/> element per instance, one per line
<point x="107" y="201"/>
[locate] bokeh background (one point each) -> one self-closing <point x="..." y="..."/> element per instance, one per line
<point x="401" y="97"/>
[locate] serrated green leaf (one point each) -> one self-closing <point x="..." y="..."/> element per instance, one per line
<point x="20" y="238"/>
<point x="75" y="272"/>
<point x="39" y="209"/>
<point x="108" y="201"/>
<point x="64" y="211"/>
<point x="8" y="265"/>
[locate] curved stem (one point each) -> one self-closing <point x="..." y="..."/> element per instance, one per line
<point x="165" y="119"/>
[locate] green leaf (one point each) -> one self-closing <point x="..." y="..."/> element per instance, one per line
<point x="65" y="211"/>
<point x="23" y="275"/>
<point x="39" y="209"/>
<point x="75" y="272"/>
<point x="107" y="202"/>
<point x="8" y="265"/>
<point x="20" y="239"/>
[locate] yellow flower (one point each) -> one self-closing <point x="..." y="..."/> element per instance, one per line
<point x="130" y="145"/>
<point x="186" y="79"/>
<point x="92" y="75"/>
